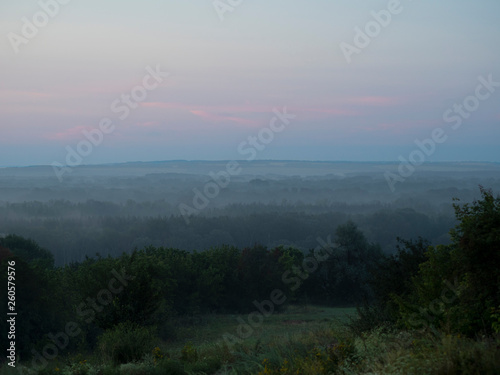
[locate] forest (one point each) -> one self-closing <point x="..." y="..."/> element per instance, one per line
<point x="387" y="284"/>
<point x="111" y="209"/>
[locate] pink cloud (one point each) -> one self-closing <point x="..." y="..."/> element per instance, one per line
<point x="208" y="108"/>
<point x="240" y="113"/>
<point x="213" y="117"/>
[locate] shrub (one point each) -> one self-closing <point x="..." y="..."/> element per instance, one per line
<point x="206" y="366"/>
<point x="110" y="370"/>
<point x="80" y="368"/>
<point x="189" y="353"/>
<point x="171" y="367"/>
<point x="137" y="369"/>
<point x="127" y="342"/>
<point x="48" y="371"/>
<point x="457" y="286"/>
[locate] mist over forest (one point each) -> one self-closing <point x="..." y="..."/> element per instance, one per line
<point x="115" y="208"/>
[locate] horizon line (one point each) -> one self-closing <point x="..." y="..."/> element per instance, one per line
<point x="246" y="161"/>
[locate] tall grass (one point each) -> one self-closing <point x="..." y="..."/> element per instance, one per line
<point x="312" y="341"/>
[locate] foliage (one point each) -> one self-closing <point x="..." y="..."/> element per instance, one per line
<point x="391" y="280"/>
<point x="403" y="352"/>
<point x="171" y="367"/>
<point x="343" y="277"/>
<point x="35" y="286"/>
<point x="28" y="250"/>
<point x="423" y="305"/>
<point x="495" y="316"/>
<point x="127" y="342"/>
<point x="189" y="353"/>
<point x="208" y="365"/>
<point x="459" y="284"/>
<point x="319" y="346"/>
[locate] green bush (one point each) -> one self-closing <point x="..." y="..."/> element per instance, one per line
<point x="110" y="370"/>
<point x="169" y="366"/>
<point x="207" y="366"/>
<point x="457" y="285"/>
<point x="189" y="353"/>
<point x="368" y="318"/>
<point x="48" y="371"/>
<point x="127" y="342"/>
<point x="80" y="368"/>
<point x="137" y="369"/>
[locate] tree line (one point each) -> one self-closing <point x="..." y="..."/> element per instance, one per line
<point x="152" y="286"/>
<point x="74" y="230"/>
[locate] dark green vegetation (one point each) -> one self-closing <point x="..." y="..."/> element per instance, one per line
<point x="424" y="309"/>
<point x="454" y="287"/>
<point x="152" y="286"/>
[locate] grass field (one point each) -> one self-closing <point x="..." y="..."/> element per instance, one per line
<point x="211" y="328"/>
<point x="301" y="340"/>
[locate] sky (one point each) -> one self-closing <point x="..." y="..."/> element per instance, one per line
<point x="205" y="80"/>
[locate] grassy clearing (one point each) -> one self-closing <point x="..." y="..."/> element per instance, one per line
<point x="211" y="328"/>
<point x="302" y="340"/>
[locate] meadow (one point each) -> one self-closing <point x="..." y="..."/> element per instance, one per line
<point x="303" y="339"/>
